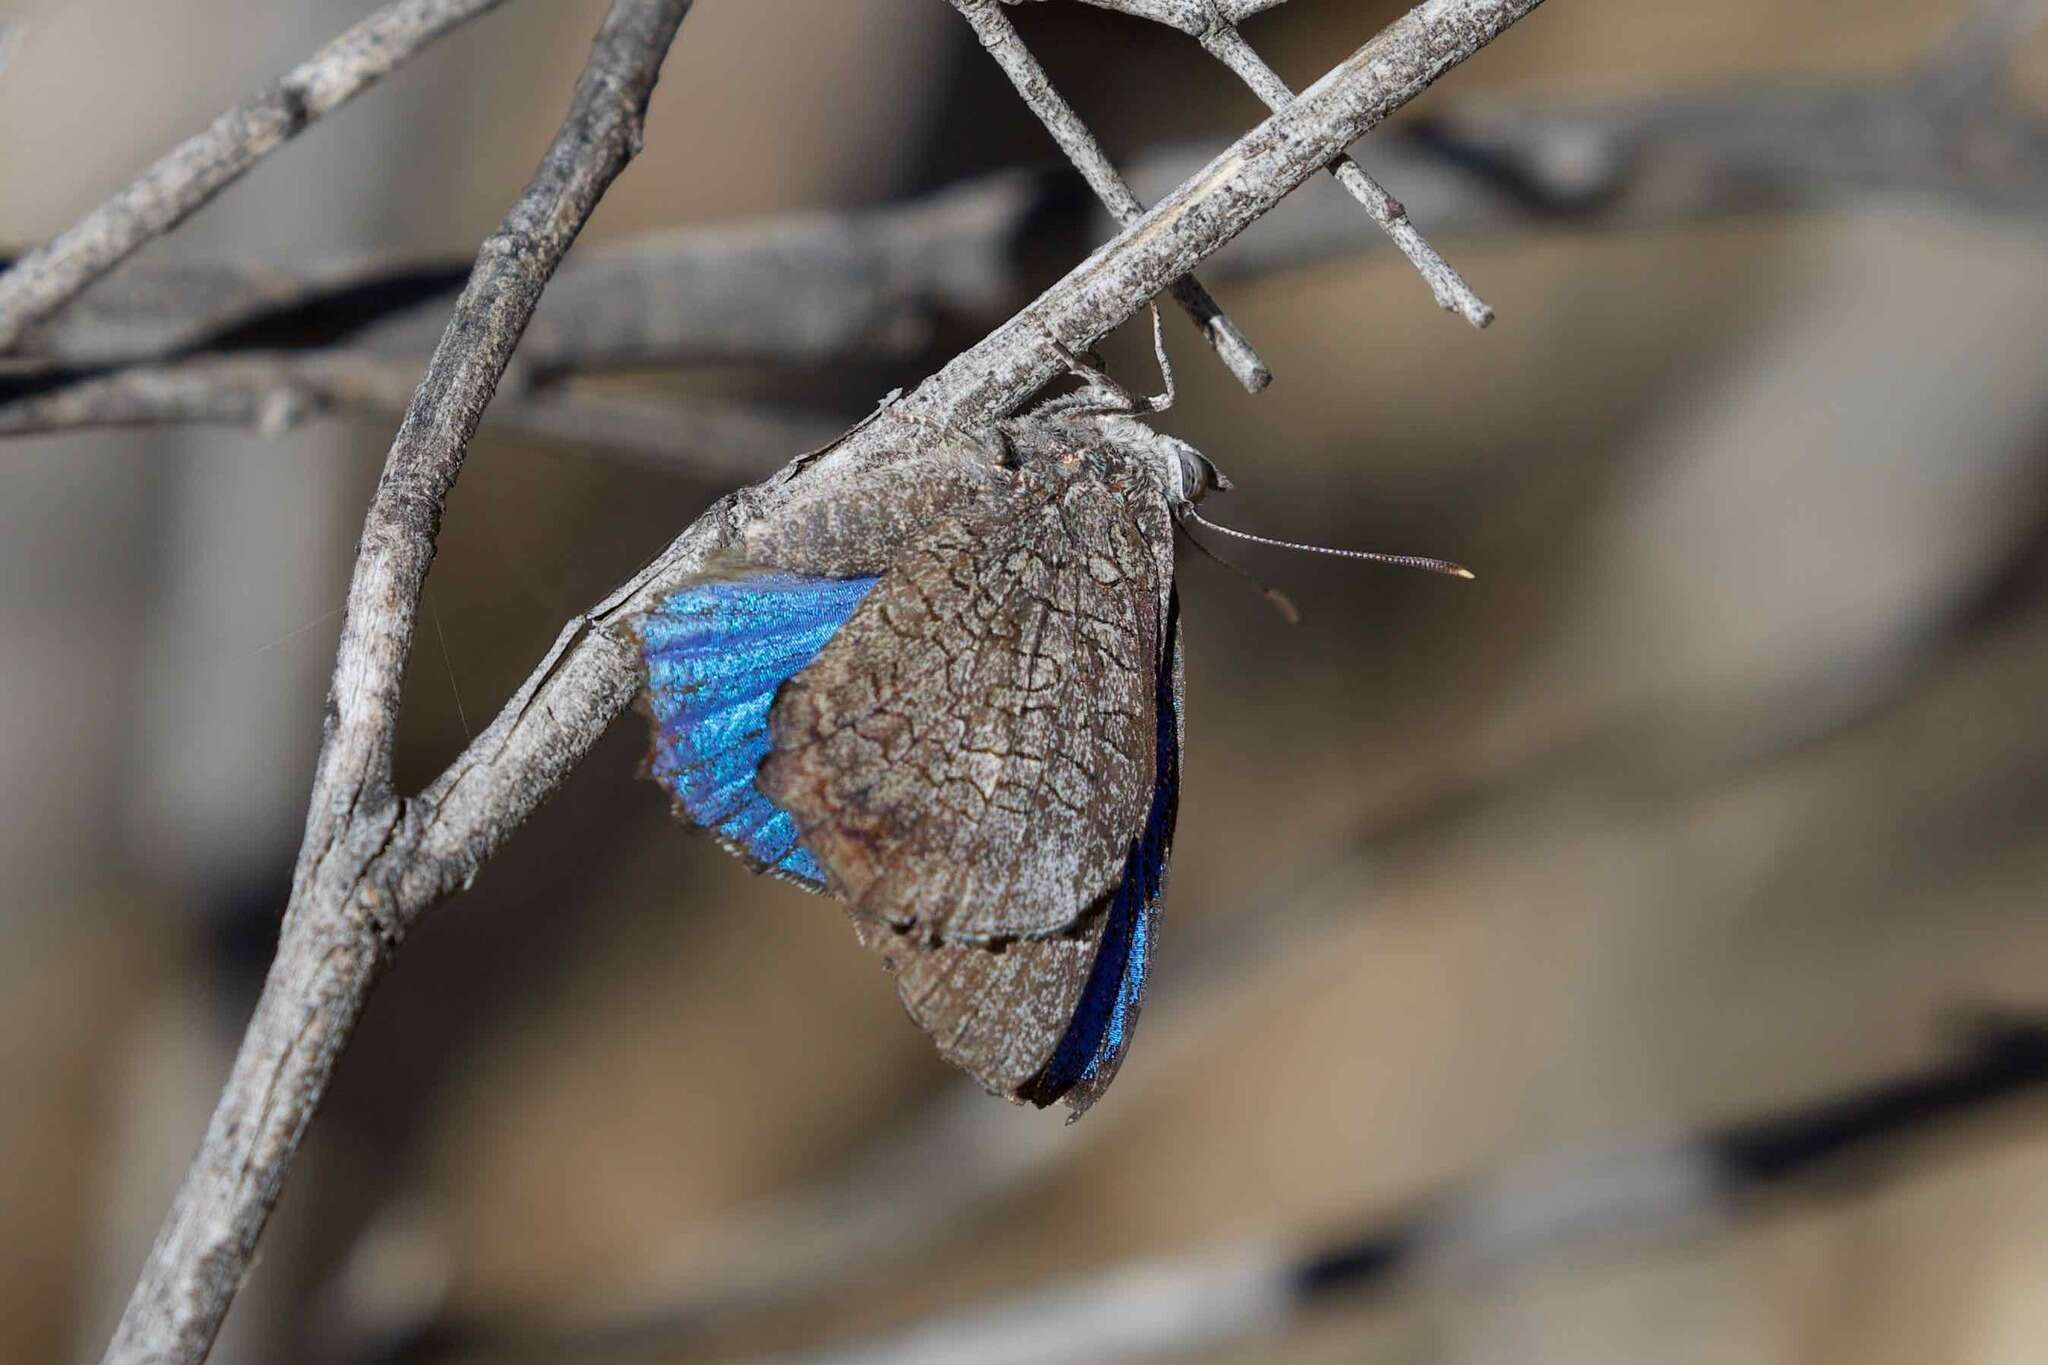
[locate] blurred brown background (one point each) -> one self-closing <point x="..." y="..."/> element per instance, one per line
<point x="1720" y="791"/>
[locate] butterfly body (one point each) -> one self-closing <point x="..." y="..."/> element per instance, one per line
<point x="949" y="696"/>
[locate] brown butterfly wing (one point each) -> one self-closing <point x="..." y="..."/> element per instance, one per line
<point x="972" y="753"/>
<point x="995" y="1012"/>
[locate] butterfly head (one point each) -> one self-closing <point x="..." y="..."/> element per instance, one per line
<point x="1191" y="476"/>
<point x="1182" y="474"/>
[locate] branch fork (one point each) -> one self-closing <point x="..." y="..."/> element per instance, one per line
<point x="1213" y="23"/>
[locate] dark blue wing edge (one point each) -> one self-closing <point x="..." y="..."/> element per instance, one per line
<point x="1093" y="1047"/>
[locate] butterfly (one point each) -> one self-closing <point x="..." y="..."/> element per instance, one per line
<point x="949" y="696"/>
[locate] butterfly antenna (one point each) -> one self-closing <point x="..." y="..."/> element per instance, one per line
<point x="1289" y="613"/>
<point x="1442" y="566"/>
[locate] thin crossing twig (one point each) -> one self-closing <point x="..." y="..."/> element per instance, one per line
<point x="1214" y="24"/>
<point x="1035" y="87"/>
<point x="1446" y="285"/>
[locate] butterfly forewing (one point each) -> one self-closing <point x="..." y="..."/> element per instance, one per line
<point x="973" y="752"/>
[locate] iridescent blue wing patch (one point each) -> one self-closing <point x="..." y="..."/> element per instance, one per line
<point x="716" y="652"/>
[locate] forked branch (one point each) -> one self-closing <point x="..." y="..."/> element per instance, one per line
<point x="1214" y="24"/>
<point x="1035" y="88"/>
<point x="339" y="924"/>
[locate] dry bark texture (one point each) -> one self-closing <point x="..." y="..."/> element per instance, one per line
<point x="342" y="920"/>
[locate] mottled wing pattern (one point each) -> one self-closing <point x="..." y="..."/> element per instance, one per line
<point x="1050" y="1019"/>
<point x="1092" y="1049"/>
<point x="716" y="652"/>
<point x="717" y="649"/>
<point x="973" y="752"/>
<point x="995" y="1012"/>
<point x="840" y="531"/>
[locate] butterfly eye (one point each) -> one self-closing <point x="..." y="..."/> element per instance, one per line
<point x="1198" y="477"/>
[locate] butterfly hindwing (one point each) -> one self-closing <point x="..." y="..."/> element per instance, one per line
<point x="973" y="752"/>
<point x="718" y="649"/>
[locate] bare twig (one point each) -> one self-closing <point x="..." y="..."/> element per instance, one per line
<point x="1446" y="285"/>
<point x="1035" y="87"/>
<point x="200" y="167"/>
<point x="1227" y="1294"/>
<point x="1232" y="191"/>
<point x="371" y="863"/>
<point x="1214" y="23"/>
<point x="272" y="392"/>
<point x="339" y="923"/>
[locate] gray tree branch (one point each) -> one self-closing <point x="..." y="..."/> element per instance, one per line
<point x="1035" y="87"/>
<point x="203" y="165"/>
<point x="338" y="926"/>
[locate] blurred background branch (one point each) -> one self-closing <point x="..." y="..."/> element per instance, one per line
<point x="1479" y="1227"/>
<point x="273" y="392"/>
<point x="1214" y="1299"/>
<point x="194" y="171"/>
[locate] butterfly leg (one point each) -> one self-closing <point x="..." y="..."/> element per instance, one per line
<point x="1103" y="395"/>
